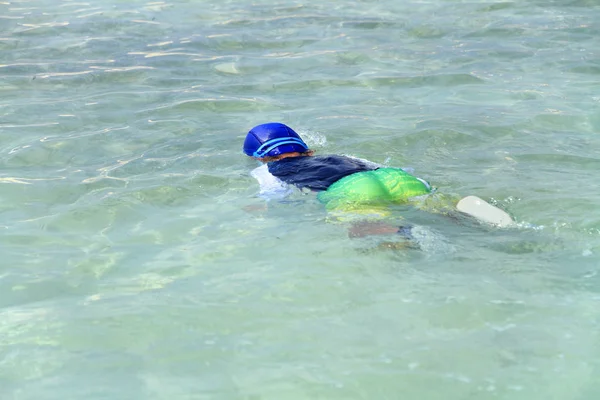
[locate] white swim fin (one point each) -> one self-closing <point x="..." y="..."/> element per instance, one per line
<point x="484" y="211"/>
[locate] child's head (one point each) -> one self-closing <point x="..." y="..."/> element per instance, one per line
<point x="272" y="141"/>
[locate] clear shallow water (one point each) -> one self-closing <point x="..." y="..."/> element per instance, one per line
<point x="131" y="268"/>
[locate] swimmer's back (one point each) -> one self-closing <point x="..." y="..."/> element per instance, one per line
<point x="318" y="172"/>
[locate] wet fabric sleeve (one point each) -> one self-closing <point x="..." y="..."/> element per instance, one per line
<point x="270" y="186"/>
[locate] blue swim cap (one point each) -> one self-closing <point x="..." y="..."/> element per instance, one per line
<point x="272" y="139"/>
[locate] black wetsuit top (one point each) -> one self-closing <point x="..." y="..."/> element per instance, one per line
<point x="316" y="173"/>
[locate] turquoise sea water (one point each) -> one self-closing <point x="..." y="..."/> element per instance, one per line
<point x="137" y="262"/>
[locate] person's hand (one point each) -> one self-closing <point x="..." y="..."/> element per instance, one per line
<point x="370" y="228"/>
<point x="255" y="208"/>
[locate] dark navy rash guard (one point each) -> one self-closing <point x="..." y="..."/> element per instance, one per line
<point x="316" y="173"/>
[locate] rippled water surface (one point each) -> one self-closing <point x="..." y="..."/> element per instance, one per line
<point x="137" y="261"/>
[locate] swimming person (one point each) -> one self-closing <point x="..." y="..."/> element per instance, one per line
<point x="342" y="183"/>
